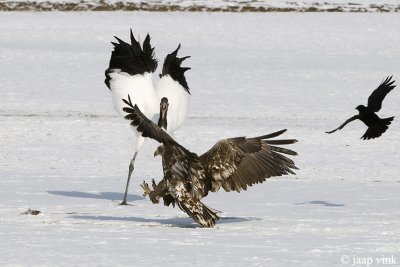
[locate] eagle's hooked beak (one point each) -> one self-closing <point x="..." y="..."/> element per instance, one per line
<point x="159" y="151"/>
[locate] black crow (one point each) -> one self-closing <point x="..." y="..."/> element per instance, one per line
<point x="376" y="125"/>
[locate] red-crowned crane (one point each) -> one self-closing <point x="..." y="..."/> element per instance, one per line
<point x="130" y="73"/>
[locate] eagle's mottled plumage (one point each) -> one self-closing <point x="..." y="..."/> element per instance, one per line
<point x="233" y="164"/>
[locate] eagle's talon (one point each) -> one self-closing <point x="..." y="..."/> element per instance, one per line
<point x="153" y="184"/>
<point x="147" y="192"/>
<point x="146" y="189"/>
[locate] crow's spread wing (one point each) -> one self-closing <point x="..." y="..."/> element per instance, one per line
<point x="239" y="162"/>
<point x="377" y="96"/>
<point x="344" y="124"/>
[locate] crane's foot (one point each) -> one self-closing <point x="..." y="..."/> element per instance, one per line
<point x="131" y="169"/>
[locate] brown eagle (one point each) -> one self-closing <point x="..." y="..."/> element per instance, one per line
<point x="233" y="164"/>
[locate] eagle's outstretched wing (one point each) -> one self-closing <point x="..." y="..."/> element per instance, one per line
<point x="239" y="162"/>
<point x="145" y="125"/>
<point x="344" y="124"/>
<point x="377" y="96"/>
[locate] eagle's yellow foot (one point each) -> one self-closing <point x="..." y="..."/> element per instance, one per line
<point x="147" y="192"/>
<point x="146" y="189"/>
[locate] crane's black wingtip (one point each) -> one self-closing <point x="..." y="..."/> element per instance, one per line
<point x="133" y="58"/>
<point x="177" y="49"/>
<point x="172" y="67"/>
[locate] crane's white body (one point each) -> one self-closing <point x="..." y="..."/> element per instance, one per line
<point x="139" y="87"/>
<point x="141" y="90"/>
<point x="142" y="93"/>
<point x="178" y="99"/>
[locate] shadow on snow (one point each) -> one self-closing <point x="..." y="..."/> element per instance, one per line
<point x="321" y="202"/>
<point x="173" y="222"/>
<point x="101" y="195"/>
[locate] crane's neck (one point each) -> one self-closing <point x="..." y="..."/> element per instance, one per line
<point x="162" y="121"/>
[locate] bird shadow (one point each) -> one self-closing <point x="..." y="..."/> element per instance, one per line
<point x="321" y="202"/>
<point x="114" y="196"/>
<point x="171" y="222"/>
<point x="223" y="220"/>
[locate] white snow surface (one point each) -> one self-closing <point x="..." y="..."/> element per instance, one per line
<point x="65" y="152"/>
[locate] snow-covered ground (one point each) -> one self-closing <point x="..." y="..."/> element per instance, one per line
<point x="205" y="5"/>
<point x="65" y="152"/>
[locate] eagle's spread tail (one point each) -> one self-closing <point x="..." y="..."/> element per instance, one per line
<point x="199" y="212"/>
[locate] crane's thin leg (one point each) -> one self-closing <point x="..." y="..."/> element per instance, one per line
<point x="131" y="168"/>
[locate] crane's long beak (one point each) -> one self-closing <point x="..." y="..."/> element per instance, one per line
<point x="162" y="121"/>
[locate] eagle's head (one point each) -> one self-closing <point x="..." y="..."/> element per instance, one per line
<point x="159" y="151"/>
